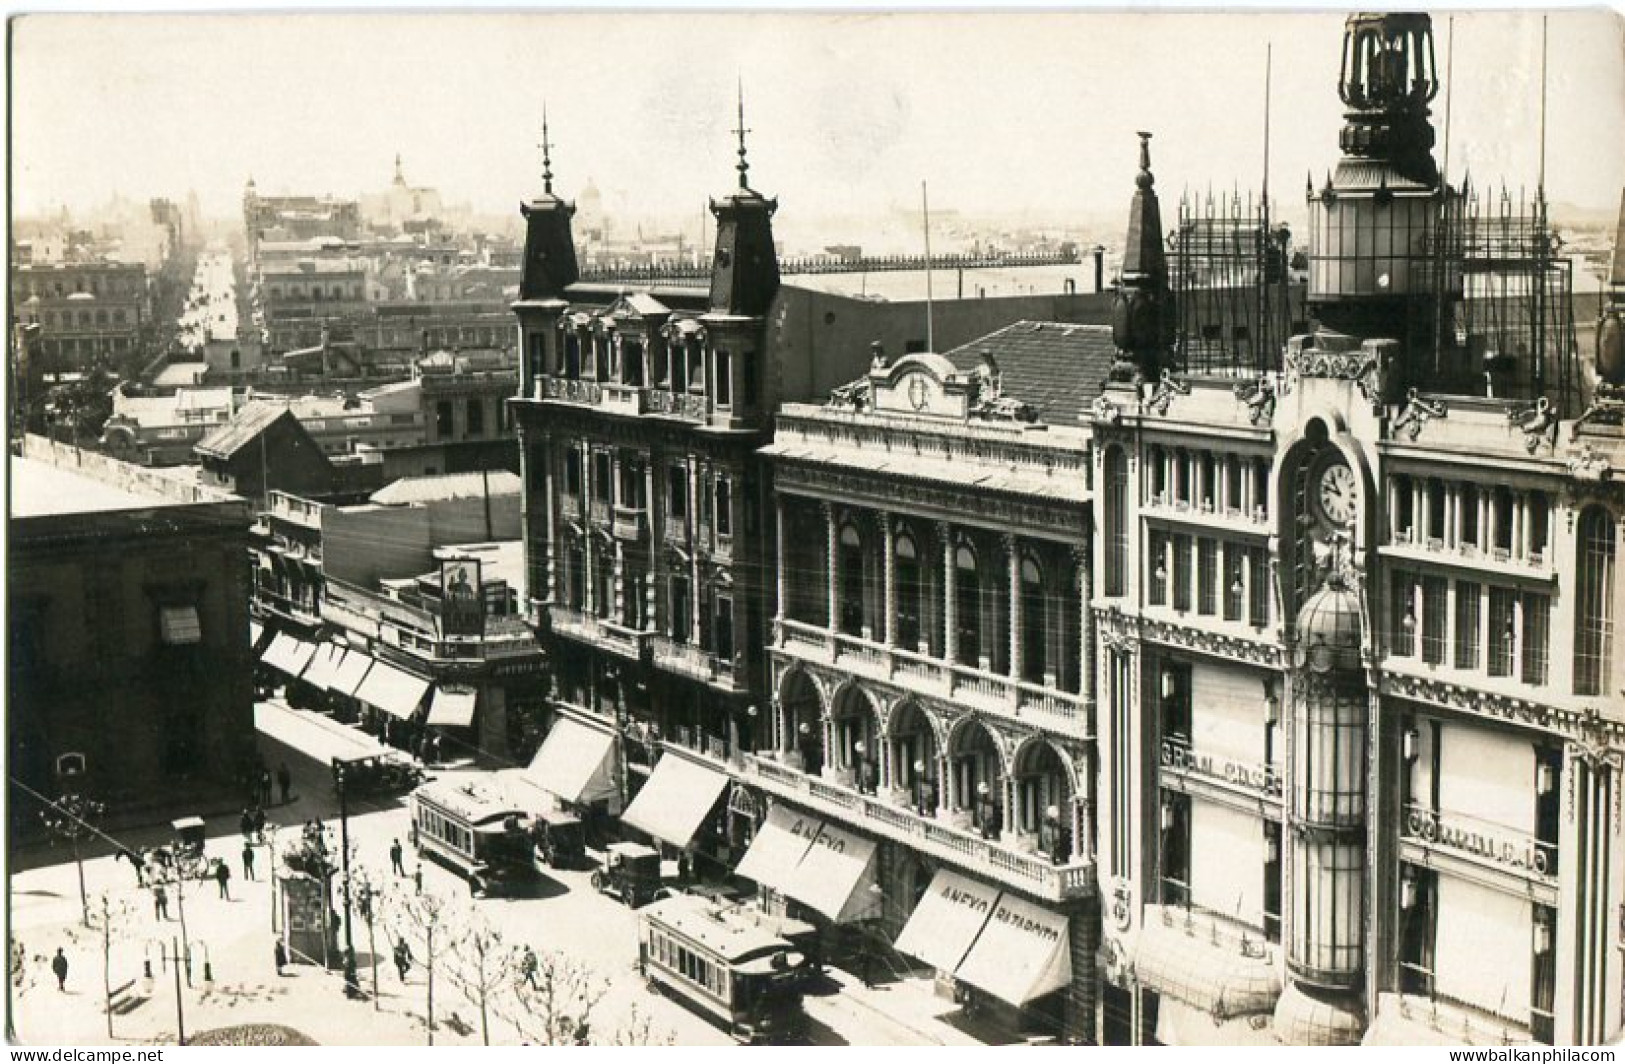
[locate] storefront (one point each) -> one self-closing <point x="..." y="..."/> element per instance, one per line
<point x="679" y="801"/>
<point x="576" y="764"/>
<point x="393" y="698"/>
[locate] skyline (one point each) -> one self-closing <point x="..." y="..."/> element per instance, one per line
<point x="848" y="112"/>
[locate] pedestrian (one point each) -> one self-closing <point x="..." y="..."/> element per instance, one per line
<point x="403" y="958"/>
<point x="281" y="956"/>
<point x="395" y="858"/>
<point x="417" y="877"/>
<point x="284" y="779"/>
<point x="160" y="903"/>
<point x="246" y="823"/>
<point x="248" y="860"/>
<point x="352" y="985"/>
<point x="265" y="786"/>
<point x="259" y="823"/>
<point x="59" y="965"/>
<point x="528" y="966"/>
<point x="222" y="876"/>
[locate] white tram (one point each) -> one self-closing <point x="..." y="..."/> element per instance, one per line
<point x="725" y="965"/>
<point x="475" y="828"/>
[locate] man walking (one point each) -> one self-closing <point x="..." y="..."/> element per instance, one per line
<point x="59" y="966"/>
<point x="222" y="876"/>
<point x="265" y="786"/>
<point x="281" y="956"/>
<point x="403" y="958"/>
<point x="160" y="903"/>
<point x="284" y="779"/>
<point x="395" y="858"/>
<point x="248" y="860"/>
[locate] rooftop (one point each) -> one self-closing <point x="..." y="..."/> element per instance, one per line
<point x="242" y="430"/>
<point x="1057" y="367"/>
<point x="447" y="486"/>
<point x="40" y="489"/>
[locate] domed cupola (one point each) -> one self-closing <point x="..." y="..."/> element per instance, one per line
<point x="1329" y="627"/>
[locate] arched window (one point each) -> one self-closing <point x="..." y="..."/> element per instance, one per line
<point x="851" y="580"/>
<point x="1116" y="522"/>
<point x="1034" y="659"/>
<point x="908" y="591"/>
<point x="1594" y="603"/>
<point x="968" y="605"/>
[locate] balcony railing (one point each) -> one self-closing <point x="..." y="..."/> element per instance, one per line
<point x="976" y="688"/>
<point x="622" y="399"/>
<point x="1030" y="872"/>
<point x="630" y="523"/>
<point x="587" y="628"/>
<point x="696" y="663"/>
<point x="676" y="404"/>
<point x="1179" y="759"/>
<point x="571" y="391"/>
<point x="1481" y="841"/>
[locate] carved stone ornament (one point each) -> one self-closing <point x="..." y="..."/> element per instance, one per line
<point x="1122" y="903"/>
<point x="854" y="396"/>
<point x="1104" y="411"/>
<point x="1366" y="369"/>
<point x="1589" y="465"/>
<point x="1537" y="421"/>
<point x="1259" y="398"/>
<point x="1417" y="412"/>
<point x="1167" y="387"/>
<point x="1607" y="408"/>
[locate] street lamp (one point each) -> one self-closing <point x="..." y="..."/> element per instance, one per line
<point x="340" y="777"/>
<point x="923" y="805"/>
<point x="984" y="810"/>
<point x="1051" y="826"/>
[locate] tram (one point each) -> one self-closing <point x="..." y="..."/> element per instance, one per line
<point x="721" y="962"/>
<point x="475" y="829"/>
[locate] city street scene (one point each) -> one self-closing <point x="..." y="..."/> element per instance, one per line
<point x="706" y="530"/>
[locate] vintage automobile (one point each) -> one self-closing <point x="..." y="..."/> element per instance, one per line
<point x="630" y="871"/>
<point x="558" y="838"/>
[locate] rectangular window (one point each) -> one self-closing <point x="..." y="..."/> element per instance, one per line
<point x="1503" y="632"/>
<point x="1182" y="573"/>
<point x="679" y="609"/>
<point x="1207" y="564"/>
<point x="1435" y="592"/>
<point x="723" y="644"/>
<point x="179" y="625"/>
<point x="677" y="491"/>
<point x="724" y="490"/>
<point x="1402" y="601"/>
<point x="1467" y="615"/>
<point x="747" y="375"/>
<point x="1234" y="588"/>
<point x="1537" y="610"/>
<point x="442" y="417"/>
<point x="476" y="417"/>
<point x="1258" y="609"/>
<point x="572" y="472"/>
<point x="724" y="371"/>
<point x="1116" y="478"/>
<point x="1157" y="563"/>
<point x="601" y="476"/>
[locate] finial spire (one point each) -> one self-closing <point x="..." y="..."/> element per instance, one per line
<point x="743" y="166"/>
<point x="1145" y="179"/>
<point x="398" y="178"/>
<point x="547" y="158"/>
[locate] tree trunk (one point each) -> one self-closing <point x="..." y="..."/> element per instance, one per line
<point x="107" y="966"/>
<point x="372" y="949"/>
<point x="429" y="965"/>
<point x="84" y="899"/>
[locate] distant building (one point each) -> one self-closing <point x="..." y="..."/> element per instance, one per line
<point x="264" y="448"/>
<point x="88" y="312"/>
<point x="129" y="669"/>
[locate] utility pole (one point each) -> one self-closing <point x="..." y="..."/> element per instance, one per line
<point x="340" y="772"/>
<point x="180" y="1014"/>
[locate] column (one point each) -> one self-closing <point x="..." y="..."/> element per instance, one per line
<point x="833" y="568"/>
<point x="1520" y="524"/>
<point x="1221" y="501"/>
<point x="1013" y="561"/>
<point x="1245" y="471"/>
<point x="950" y="614"/>
<point x="1453" y="500"/>
<point x="1392" y="495"/>
<point x="652" y="512"/>
<point x="780" y="561"/>
<point x="888" y="544"/>
<point x="551" y="590"/>
<point x="590" y="593"/>
<point x="1486" y="534"/>
<point x="1086" y="623"/>
<point x="1450" y="616"/>
<point x="1419" y="512"/>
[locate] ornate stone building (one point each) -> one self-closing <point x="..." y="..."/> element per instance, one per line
<point x="1360" y="725"/>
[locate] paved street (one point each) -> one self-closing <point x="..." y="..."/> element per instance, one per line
<point x="236" y="936"/>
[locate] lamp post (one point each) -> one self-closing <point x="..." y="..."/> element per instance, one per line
<point x="923" y="804"/>
<point x="861" y="764"/>
<point x="984" y="809"/>
<point x="340" y="777"/>
<point x="1052" y="827"/>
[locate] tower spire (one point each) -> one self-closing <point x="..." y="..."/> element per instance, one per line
<point x="547" y="158"/>
<point x="743" y="166"/>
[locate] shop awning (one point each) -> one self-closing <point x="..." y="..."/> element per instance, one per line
<point x="394" y="692"/>
<point x="350" y="672"/>
<point x="575" y="763"/>
<point x="1023" y="953"/>
<point x="947" y="920"/>
<point x="778" y="847"/>
<point x="674" y="803"/>
<point x="1178" y="957"/>
<point x="835" y="875"/>
<point x="255" y="631"/>
<point x="1179" y="1024"/>
<point x="452" y="708"/>
<point x="288" y="654"/>
<point x="323" y="663"/>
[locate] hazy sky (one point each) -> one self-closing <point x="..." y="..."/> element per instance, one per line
<point x="848" y="111"/>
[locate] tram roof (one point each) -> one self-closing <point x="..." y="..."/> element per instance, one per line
<point x="473" y="800"/>
<point x="731" y="936"/>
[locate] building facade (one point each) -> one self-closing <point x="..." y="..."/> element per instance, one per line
<point x="1359" y="712"/>
<point x="88" y="313"/>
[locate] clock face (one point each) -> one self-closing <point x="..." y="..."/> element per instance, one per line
<point x="1336" y="493"/>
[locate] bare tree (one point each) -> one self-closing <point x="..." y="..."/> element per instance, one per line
<point x="557" y="997"/>
<point x="368" y="893"/>
<point x="483" y="968"/>
<point x="110" y="919"/>
<point x="424" y="921"/>
<point x="69" y="818"/>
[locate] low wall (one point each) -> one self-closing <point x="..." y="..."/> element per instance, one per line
<point x="137" y="479"/>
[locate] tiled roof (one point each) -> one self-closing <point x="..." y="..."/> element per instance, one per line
<point x="241" y="430"/>
<point x="1057" y="367"/>
<point x="447" y="486"/>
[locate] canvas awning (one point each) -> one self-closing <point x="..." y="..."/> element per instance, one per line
<point x="452" y="708"/>
<point x="392" y="691"/>
<point x="1023" y="953"/>
<point x="323" y="663"/>
<point x="1179" y="1024"/>
<point x="350" y="672"/>
<point x="1179" y="958"/>
<point x="575" y="763"/>
<point x="674" y="803"/>
<point x="835" y="875"/>
<point x="288" y="654"/>
<point x="778" y="847"/>
<point x="946" y="922"/>
<point x="255" y="631"/>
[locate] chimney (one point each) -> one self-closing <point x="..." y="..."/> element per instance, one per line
<point x="1100" y="267"/>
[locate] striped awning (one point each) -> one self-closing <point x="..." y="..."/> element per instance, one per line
<point x="323" y="665"/>
<point x="392" y="691"/>
<point x="453" y="708"/>
<point x="349" y="673"/>
<point x="288" y="654"/>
